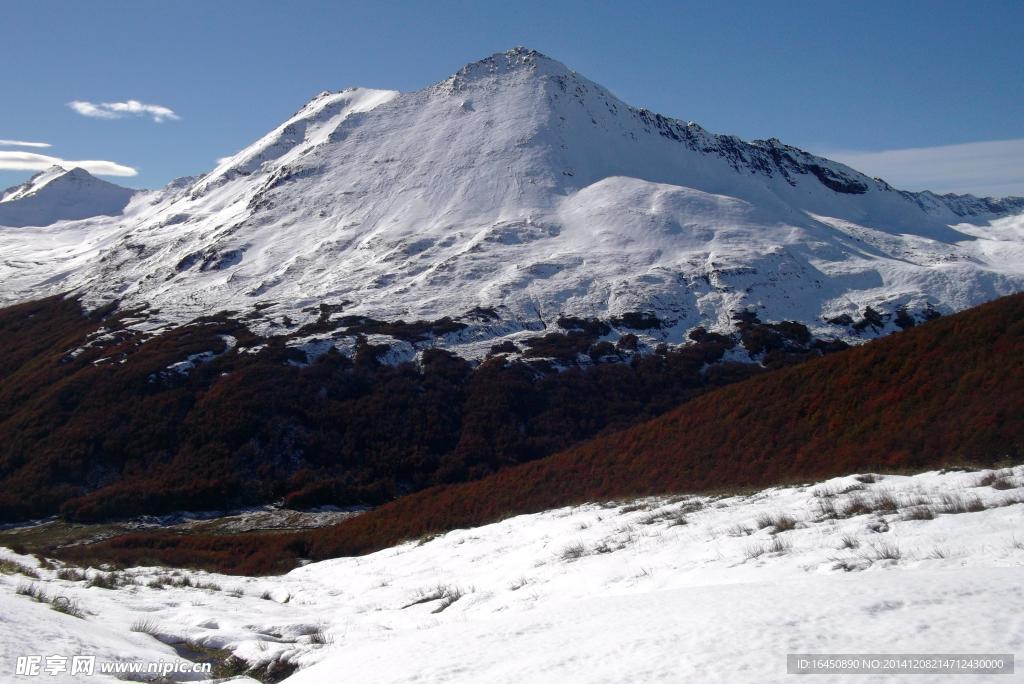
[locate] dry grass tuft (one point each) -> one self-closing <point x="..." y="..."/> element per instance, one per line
<point x="573" y="552"/>
<point x="33" y="591"/>
<point x="885" y="551"/>
<point x="848" y="541"/>
<point x="780" y="522"/>
<point x="9" y="567"/>
<point x="63" y="604"/>
<point x="145" y="626"/>
<point x="953" y="504"/>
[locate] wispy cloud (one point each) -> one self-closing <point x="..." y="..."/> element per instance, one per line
<point x="11" y="160"/>
<point x="993" y="168"/>
<point x="23" y="143"/>
<point x="119" y="110"/>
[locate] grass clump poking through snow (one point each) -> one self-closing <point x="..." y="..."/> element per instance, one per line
<point x="186" y="582"/>
<point x="885" y="551"/>
<point x="110" y="580"/>
<point x="445" y="593"/>
<point x="676" y="518"/>
<point x="918" y="513"/>
<point x="145" y="626"/>
<point x="573" y="552"/>
<point x="777" y="546"/>
<point x="9" y="567"/>
<point x="518" y="584"/>
<point x="754" y="551"/>
<point x="999" y="480"/>
<point x="672" y="518"/>
<point x="855" y="505"/>
<point x="827" y="509"/>
<point x="182" y="581"/>
<point x="452" y="595"/>
<point x="884" y="502"/>
<point x="428" y="595"/>
<point x="780" y="522"/>
<point x="953" y="504"/>
<point x="62" y="604"/>
<point x="33" y="591"/>
<point x="71" y="575"/>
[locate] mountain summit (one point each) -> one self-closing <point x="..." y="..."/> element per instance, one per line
<point x="59" y="194"/>
<point x="516" y="192"/>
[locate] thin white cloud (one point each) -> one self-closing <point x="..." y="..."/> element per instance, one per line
<point x="23" y="143"/>
<point x="119" y="110"/>
<point x="11" y="160"/>
<point x="993" y="168"/>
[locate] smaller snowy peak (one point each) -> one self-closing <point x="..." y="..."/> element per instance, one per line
<point x="33" y="184"/>
<point x="59" y="194"/>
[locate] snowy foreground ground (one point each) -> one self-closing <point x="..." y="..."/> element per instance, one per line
<point x="673" y="589"/>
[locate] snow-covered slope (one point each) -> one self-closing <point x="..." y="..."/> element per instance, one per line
<point x="61" y="195"/>
<point x="670" y="589"/>
<point x="520" y="186"/>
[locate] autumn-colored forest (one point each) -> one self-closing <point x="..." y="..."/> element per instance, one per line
<point x="946" y="393"/>
<point x="95" y="424"/>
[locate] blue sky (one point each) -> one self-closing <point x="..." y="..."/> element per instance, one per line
<point x="902" y="89"/>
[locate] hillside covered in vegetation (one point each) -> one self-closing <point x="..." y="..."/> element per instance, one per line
<point x="99" y="421"/>
<point x="946" y="393"/>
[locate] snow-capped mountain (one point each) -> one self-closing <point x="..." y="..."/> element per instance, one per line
<point x="511" y="193"/>
<point x="58" y="194"/>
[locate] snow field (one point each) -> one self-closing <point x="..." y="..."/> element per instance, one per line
<point x="661" y="589"/>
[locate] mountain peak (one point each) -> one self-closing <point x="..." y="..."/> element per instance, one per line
<point x="43" y="178"/>
<point x="37" y="180"/>
<point x="518" y="59"/>
<point x="78" y="172"/>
